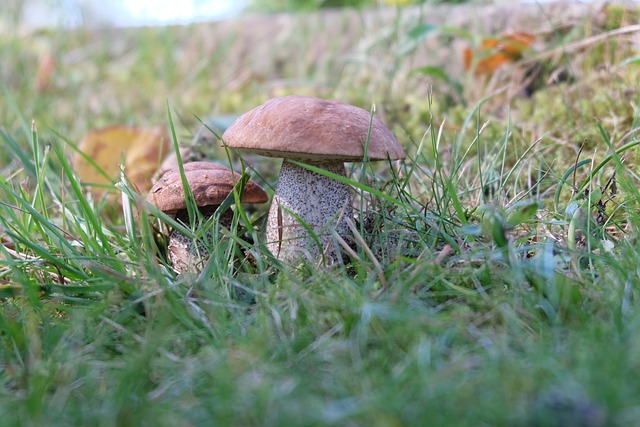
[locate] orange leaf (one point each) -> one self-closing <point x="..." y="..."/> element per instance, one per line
<point x="141" y="150"/>
<point x="497" y="51"/>
<point x="489" y="43"/>
<point x="488" y="65"/>
<point x="467" y="58"/>
<point x="516" y="42"/>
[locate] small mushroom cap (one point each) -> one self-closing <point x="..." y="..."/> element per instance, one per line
<point x="314" y="130"/>
<point x="210" y="184"/>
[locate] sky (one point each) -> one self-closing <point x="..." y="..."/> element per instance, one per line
<point x="71" y="13"/>
<point x="182" y="10"/>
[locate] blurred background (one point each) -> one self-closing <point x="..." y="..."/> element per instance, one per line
<point x="74" y="66"/>
<point x="73" y="13"/>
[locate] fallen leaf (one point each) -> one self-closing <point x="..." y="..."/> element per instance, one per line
<point x="493" y="52"/>
<point x="467" y="58"/>
<point x="141" y="150"/>
<point x="488" y="65"/>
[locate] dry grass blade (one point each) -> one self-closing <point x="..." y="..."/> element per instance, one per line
<point x="583" y="44"/>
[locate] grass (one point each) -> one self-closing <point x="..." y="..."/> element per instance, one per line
<point x="494" y="280"/>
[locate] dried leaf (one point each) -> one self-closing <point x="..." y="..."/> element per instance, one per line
<point x="494" y="52"/>
<point x="467" y="58"/>
<point x="488" y="65"/>
<point x="141" y="150"/>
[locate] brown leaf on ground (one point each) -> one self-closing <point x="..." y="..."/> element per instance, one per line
<point x="493" y="52"/>
<point x="140" y="149"/>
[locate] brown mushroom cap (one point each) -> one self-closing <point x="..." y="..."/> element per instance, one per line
<point x="314" y="130"/>
<point x="210" y="184"/>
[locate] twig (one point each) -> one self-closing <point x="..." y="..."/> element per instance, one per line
<point x="584" y="43"/>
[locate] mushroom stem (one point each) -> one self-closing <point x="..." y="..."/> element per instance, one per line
<point x="184" y="253"/>
<point x="321" y="202"/>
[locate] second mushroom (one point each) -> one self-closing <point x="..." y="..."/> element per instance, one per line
<point x="210" y="185"/>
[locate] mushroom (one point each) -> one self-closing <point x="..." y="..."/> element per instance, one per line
<point x="210" y="184"/>
<point x="317" y="132"/>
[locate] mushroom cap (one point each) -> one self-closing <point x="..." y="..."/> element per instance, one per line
<point x="312" y="130"/>
<point x="210" y="184"/>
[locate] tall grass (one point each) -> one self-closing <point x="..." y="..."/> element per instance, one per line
<point x="456" y="308"/>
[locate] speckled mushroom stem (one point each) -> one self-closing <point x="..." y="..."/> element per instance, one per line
<point x="183" y="253"/>
<point x="321" y="202"/>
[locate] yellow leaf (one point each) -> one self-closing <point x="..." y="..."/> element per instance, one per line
<point x="141" y="150"/>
